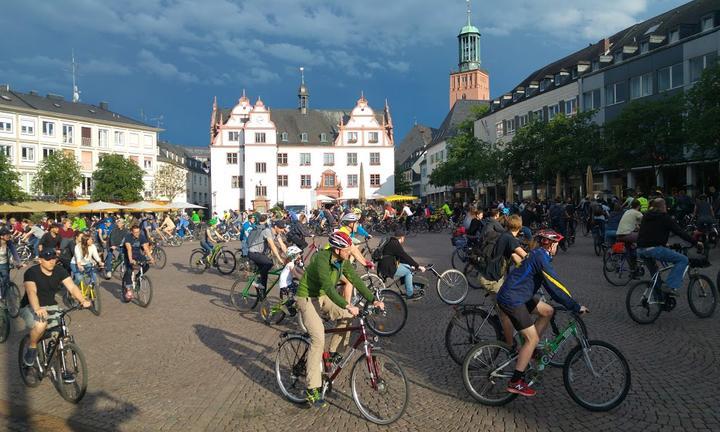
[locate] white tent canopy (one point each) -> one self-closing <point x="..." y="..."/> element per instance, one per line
<point x="324" y="198"/>
<point x="147" y="206"/>
<point x="97" y="206"/>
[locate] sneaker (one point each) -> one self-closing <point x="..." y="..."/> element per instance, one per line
<point x="108" y="276"/>
<point x="416" y="295"/>
<point x="29" y="358"/>
<point x="128" y="295"/>
<point x="314" y="398"/>
<point x="521" y="388"/>
<point x="669" y="291"/>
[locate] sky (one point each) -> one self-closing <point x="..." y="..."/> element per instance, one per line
<point x="163" y="61"/>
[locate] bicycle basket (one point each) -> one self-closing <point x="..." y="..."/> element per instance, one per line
<point x="618" y="247"/>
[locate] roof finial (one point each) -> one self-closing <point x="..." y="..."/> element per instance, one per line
<point x="469" y="11"/>
<point x="302" y="75"/>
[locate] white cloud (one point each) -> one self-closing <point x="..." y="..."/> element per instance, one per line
<point x="104" y="67"/>
<point x="154" y="65"/>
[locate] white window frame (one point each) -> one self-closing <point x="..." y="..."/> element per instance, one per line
<point x="7" y="150"/>
<point x="119" y="139"/>
<point x="68" y="132"/>
<point x="673" y="84"/>
<point x="260" y="190"/>
<point x="304" y="137"/>
<point x="147" y="163"/>
<point x="537" y="115"/>
<point x="106" y="142"/>
<point x="375" y="184"/>
<point x="27" y="127"/>
<point x="305" y="159"/>
<point x="260" y="137"/>
<point x="133" y="140"/>
<point x="282" y="159"/>
<point x="48" y="128"/>
<point x="284" y="137"/>
<point x="260" y="167"/>
<point x="352" y="137"/>
<point x="352" y="181"/>
<point x="323" y="137"/>
<point x="706" y="60"/>
<point x="553" y="110"/>
<point x="644" y="47"/>
<point x="231" y="158"/>
<point x="236" y="182"/>
<point x="510" y="125"/>
<point x="6" y="124"/>
<point x="704" y="20"/>
<point x="499" y="130"/>
<point x="234" y="136"/>
<point x="373" y="137"/>
<point x="282" y="180"/>
<point x="305" y="181"/>
<point x="328" y="159"/>
<point x="27" y="156"/>
<point x="570" y="107"/>
<point x="47" y="151"/>
<point x="642" y="83"/>
<point x="375" y="156"/>
<point x="352" y="159"/>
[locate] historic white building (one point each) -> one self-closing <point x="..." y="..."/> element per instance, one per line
<point x="34" y="126"/>
<point x="193" y="171"/>
<point x="262" y="156"/>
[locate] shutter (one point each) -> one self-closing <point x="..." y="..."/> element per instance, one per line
<point x="561" y="104"/>
<point x="504" y="127"/>
<point x="545" y="113"/>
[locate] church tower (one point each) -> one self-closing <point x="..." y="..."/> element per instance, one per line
<point x="470" y="81"/>
<point x="303" y="93"/>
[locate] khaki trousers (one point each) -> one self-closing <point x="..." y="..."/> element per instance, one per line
<point x="308" y="308"/>
<point x="491" y="286"/>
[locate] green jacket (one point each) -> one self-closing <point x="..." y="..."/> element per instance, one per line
<point x="322" y="275"/>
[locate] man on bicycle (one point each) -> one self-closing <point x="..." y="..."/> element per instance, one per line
<point x="8" y="253"/>
<point x="518" y="301"/>
<point x="261" y="241"/>
<point x="209" y="236"/>
<point x="652" y="238"/>
<point x="116" y="240"/>
<point x="137" y="251"/>
<point x="42" y="282"/>
<point x="317" y="291"/>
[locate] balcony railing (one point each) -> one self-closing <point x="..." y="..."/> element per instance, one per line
<point x="86" y="141"/>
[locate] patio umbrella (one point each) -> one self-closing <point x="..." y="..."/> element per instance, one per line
<point x="589" y="183"/>
<point x="324" y="198"/>
<point x="97" y="206"/>
<point x="147" y="206"/>
<point x="11" y="208"/>
<point x="44" y="206"/>
<point x="392" y="198"/>
<point x="361" y="196"/>
<point x="509" y="190"/>
<point x="558" y="185"/>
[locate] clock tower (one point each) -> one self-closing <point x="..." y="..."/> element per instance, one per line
<point x="470" y="81"/>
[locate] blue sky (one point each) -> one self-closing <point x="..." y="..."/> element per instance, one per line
<point x="170" y="57"/>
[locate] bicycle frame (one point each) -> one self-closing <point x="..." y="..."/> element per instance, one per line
<point x="350" y="354"/>
<point x="56" y="334"/>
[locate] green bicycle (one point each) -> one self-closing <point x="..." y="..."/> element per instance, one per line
<point x="220" y="258"/>
<point x="596" y="374"/>
<point x="244" y="299"/>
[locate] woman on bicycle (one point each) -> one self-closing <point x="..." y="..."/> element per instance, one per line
<point x="8" y="253"/>
<point x="396" y="263"/>
<point x="85" y="254"/>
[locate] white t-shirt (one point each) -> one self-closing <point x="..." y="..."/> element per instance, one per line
<point x="91" y="258"/>
<point x="406" y="210"/>
<point x="286" y="276"/>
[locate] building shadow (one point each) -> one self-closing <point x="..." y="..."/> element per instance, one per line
<point x="101" y="407"/>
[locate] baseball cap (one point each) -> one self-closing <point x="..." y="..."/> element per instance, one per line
<point x="4" y="231"/>
<point x="47" y="254"/>
<point x="280" y="224"/>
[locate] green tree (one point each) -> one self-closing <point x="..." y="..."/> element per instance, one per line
<point x="525" y="156"/>
<point x="170" y="181"/>
<point x="117" y="179"/>
<point x="9" y="181"/>
<point x="58" y="176"/>
<point x="402" y="186"/>
<point x="703" y="112"/>
<point x="573" y="144"/>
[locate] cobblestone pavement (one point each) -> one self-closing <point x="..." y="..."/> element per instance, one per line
<point x="190" y="362"/>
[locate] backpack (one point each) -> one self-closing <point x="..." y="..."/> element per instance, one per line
<point x="255" y="237"/>
<point x="377" y="253"/>
<point x="296" y="236"/>
<point x="491" y="265"/>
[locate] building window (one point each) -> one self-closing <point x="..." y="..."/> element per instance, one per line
<point x="260" y="190"/>
<point x="644" y="47"/>
<point x="103" y="137"/>
<point x="373" y="137"/>
<point x="304" y="137"/>
<point x="147" y="163"/>
<point x="352" y="159"/>
<point x="86" y="136"/>
<point x="670" y="77"/>
<point x="234" y="136"/>
<point x="259" y="137"/>
<point x="27" y="127"/>
<point x="328" y="159"/>
<point x="591" y="100"/>
<point x="570" y="107"/>
<point x="374" y="158"/>
<point x="674" y="36"/>
<point x="260" y="167"/>
<point x="231" y="158"/>
<point x="641" y="86"/>
<point x="47" y="152"/>
<point x="7" y="151"/>
<point x="615" y="93"/>
<point x="284" y="137"/>
<point x="27" y="154"/>
<point x="67" y="134"/>
<point x="305" y="182"/>
<point x="282" y="159"/>
<point x="119" y="139"/>
<point x="698" y="64"/>
<point x="707" y="23"/>
<point x="352" y="180"/>
<point x="511" y="126"/>
<point x="375" y="180"/>
<point x="48" y="128"/>
<point x="86" y="186"/>
<point x="5" y="125"/>
<point x="537" y="115"/>
<point x="148" y="141"/>
<point x="237" y="182"/>
<point x="329" y="180"/>
<point x="553" y="110"/>
<point x="499" y="131"/>
<point x="522" y="121"/>
<point x="352" y="137"/>
<point x="304" y="159"/>
<point x="323" y="137"/>
<point x="282" y="180"/>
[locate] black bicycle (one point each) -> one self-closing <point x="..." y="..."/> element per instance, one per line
<point x="9" y="307"/>
<point x="59" y="357"/>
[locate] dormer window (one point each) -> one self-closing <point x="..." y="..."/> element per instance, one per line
<point x="304" y="137"/>
<point x="323" y="137"/>
<point x="595" y="65"/>
<point x="644" y="47"/>
<point x="674" y="36"/>
<point x="707" y="23"/>
<point x="284" y="137"/>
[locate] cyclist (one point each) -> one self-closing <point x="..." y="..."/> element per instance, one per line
<point x="350" y="225"/>
<point x="167" y="228"/>
<point x="518" y="301"/>
<point x="136" y="247"/>
<point x="627" y="232"/>
<point x="261" y="241"/>
<point x="291" y="271"/>
<point x="396" y="263"/>
<point x="655" y="229"/>
<point x="8" y="253"/>
<point x="42" y="282"/>
<point x="209" y="236"/>
<point x="85" y="254"/>
<point x="317" y="290"/>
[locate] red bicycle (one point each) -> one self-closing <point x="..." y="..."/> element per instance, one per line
<point x="378" y="383"/>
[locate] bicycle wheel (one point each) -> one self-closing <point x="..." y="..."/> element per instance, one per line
<point x="597" y="377"/>
<point x="558" y="323"/>
<point x="391" y="320"/>
<point x="642" y="305"/>
<point x="160" y="257"/>
<point x="225" y="262"/>
<point x="143" y="292"/>
<point x="702" y="296"/>
<point x="265" y="309"/>
<point x="481" y="377"/>
<point x="472" y="274"/>
<point x="118" y="270"/>
<point x="12" y="299"/>
<point x="244" y="295"/>
<point x="30" y="375"/>
<point x="452" y="287"/>
<point x="379" y="387"/>
<point x="4" y="325"/>
<point x="197" y="262"/>
<point x="96" y="307"/>
<point x="615" y="269"/>
<point x="467" y="328"/>
<point x="290" y="367"/>
<point x="24" y="253"/>
<point x="597" y="244"/>
<point x="70" y="380"/>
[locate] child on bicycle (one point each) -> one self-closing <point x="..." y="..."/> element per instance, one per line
<point x="517" y="299"/>
<point x="292" y="271"/>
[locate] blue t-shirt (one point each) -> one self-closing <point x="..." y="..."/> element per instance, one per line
<point x="136" y="245"/>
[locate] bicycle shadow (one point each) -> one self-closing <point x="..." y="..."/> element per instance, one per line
<point x="113" y="287"/>
<point x="181" y="267"/>
<point x="101" y="407"/>
<point x="221" y="300"/>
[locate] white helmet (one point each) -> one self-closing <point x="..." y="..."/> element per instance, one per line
<point x="293" y="251"/>
<point x="349" y="218"/>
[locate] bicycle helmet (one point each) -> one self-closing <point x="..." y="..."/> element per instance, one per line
<point x="292" y="252"/>
<point x="357" y="211"/>
<point x="548" y="236"/>
<point x="340" y="240"/>
<point x="349" y="218"/>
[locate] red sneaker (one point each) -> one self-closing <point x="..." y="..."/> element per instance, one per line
<point x="521" y="388"/>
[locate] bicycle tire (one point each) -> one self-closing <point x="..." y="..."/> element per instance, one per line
<point x="29" y="375"/>
<point x="12" y="299"/>
<point x="456" y="260"/>
<point x="472" y="274"/>
<point x="197" y="262"/>
<point x="143" y="295"/>
<point x="705" y="290"/>
<point x="24" y="253"/>
<point x="476" y="370"/>
<point x="290" y="367"/>
<point x="96" y="307"/>
<point x="452" y="287"/>
<point x="160" y="257"/>
<point x="581" y="357"/>
<point x="558" y="359"/>
<point x="4" y="325"/>
<point x="118" y="270"/>
<point x="244" y="295"/>
<point x="391" y="386"/>
<point x="462" y="328"/>
<point x="598" y="247"/>
<point x="391" y="320"/>
<point x="71" y="392"/>
<point x="651" y="308"/>
<point x="265" y="308"/>
<point x="614" y="269"/>
<point x="225" y="262"/>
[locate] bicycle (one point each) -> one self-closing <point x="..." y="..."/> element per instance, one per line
<point x="245" y="299"/>
<point x="9" y="307"/>
<point x="451" y="285"/>
<point x="488" y="367"/>
<point x="24" y="251"/>
<point x="652" y="301"/>
<point x="59" y="357"/>
<point x="378" y="384"/>
<point x="159" y="256"/>
<point x="141" y="285"/>
<point x="461" y="253"/>
<point x="117" y="267"/>
<point x="388" y="321"/>
<point x="598" y="241"/>
<point x="616" y="265"/>
<point x="220" y="258"/>
<point x="88" y="289"/>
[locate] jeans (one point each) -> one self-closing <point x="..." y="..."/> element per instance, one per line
<point x="404" y="271"/>
<point x="680" y="261"/>
<point x="207" y="247"/>
<point x="127" y="276"/>
<point x="264" y="265"/>
<point x="610" y="236"/>
<point x="77" y="275"/>
<point x="109" y="256"/>
<point x="35" y="242"/>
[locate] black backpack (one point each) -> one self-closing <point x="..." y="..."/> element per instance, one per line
<point x="489" y="262"/>
<point x="377" y="253"/>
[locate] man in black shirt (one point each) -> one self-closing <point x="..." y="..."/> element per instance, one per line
<point x="117" y="237"/>
<point x="51" y="240"/>
<point x="137" y="251"/>
<point x="396" y="263"/>
<point x="42" y="282"/>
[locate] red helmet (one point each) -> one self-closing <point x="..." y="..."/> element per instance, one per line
<point x="340" y="240"/>
<point x="547" y="236"/>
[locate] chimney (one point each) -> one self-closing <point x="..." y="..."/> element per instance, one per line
<point x="104" y="106"/>
<point x="5" y="87"/>
<point x="605" y="46"/>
